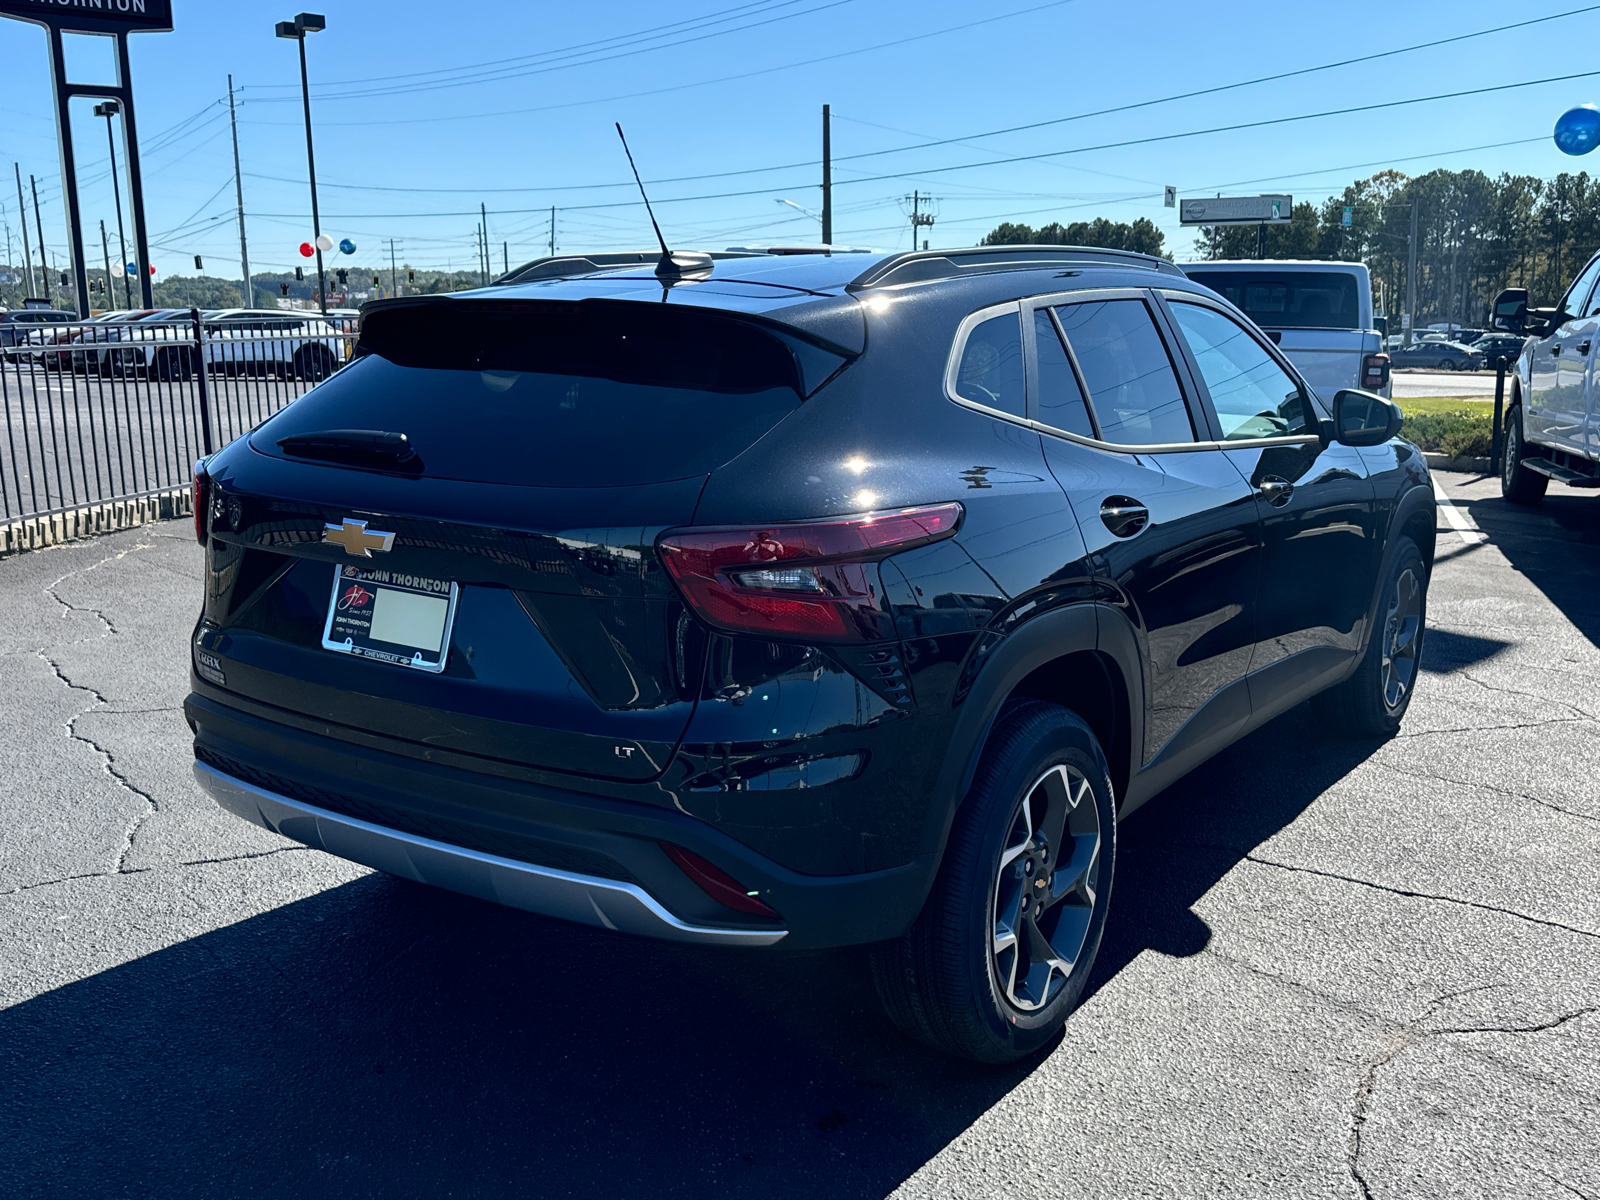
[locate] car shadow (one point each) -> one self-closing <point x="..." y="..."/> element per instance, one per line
<point x="382" y="1038"/>
<point x="1554" y="544"/>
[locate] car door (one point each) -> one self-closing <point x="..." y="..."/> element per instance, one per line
<point x="1319" y="535"/>
<point x="1557" y="403"/>
<point x="1171" y="528"/>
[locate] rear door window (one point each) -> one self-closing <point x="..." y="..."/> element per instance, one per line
<point x="592" y="394"/>
<point x="1133" y="387"/>
<point x="1289" y="299"/>
<point x="1061" y="401"/>
<point x="990" y="371"/>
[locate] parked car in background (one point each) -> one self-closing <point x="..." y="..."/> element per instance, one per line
<point x="1498" y="348"/>
<point x="17" y="324"/>
<point x="238" y="341"/>
<point x="1552" y="422"/>
<point x="1320" y="315"/>
<point x="800" y="600"/>
<point x="1438" y="356"/>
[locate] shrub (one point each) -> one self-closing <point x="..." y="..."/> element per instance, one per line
<point x="1461" y="434"/>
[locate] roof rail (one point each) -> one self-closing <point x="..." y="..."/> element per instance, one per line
<point x="558" y="266"/>
<point x="922" y="265"/>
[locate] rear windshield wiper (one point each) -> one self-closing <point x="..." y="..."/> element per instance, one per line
<point x="379" y="448"/>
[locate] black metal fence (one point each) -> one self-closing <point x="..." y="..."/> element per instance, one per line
<point x="100" y="412"/>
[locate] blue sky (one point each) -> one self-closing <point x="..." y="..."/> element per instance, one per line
<point x="414" y="131"/>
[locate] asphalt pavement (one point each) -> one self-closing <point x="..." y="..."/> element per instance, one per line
<point x="1478" y="385"/>
<point x="1333" y="968"/>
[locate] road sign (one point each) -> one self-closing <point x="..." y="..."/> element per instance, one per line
<point x="1236" y="210"/>
<point x="1345" y="219"/>
<point x="93" y="16"/>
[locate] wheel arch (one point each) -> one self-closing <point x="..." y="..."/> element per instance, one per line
<point x="1084" y="657"/>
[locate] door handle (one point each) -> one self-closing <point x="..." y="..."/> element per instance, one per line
<point x="1275" y="490"/>
<point x="1556" y="349"/>
<point x="1123" y="515"/>
<point x="1583" y="346"/>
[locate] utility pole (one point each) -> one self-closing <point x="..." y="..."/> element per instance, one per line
<point x="238" y="190"/>
<point x="108" y="110"/>
<point x="827" y="180"/>
<point x="27" y="250"/>
<point x="394" y="289"/>
<point x="916" y="201"/>
<point x="38" y="221"/>
<point x="1409" y="318"/>
<point x="552" y="229"/>
<point x="505" y="258"/>
<point x="105" y="249"/>
<point x="918" y="217"/>
<point x="483" y="212"/>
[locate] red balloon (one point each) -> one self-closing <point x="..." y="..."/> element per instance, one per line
<point x="306" y="250"/>
<point x="152" y="268"/>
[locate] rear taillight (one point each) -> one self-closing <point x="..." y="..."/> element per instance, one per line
<point x="1375" y="372"/>
<point x="715" y="882"/>
<point x="808" y="580"/>
<point x="202" y="499"/>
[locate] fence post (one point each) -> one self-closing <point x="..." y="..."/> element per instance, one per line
<point x="201" y="383"/>
<point x="1499" y="406"/>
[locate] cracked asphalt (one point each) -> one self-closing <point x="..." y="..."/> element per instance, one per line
<point x="1333" y="968"/>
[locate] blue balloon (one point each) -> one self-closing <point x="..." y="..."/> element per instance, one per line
<point x="133" y="268"/>
<point x="349" y="247"/>
<point x="1578" y="130"/>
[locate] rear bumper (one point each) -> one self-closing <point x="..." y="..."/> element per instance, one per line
<point x="582" y="857"/>
<point x="586" y="899"/>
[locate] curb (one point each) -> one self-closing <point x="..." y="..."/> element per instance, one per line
<point x="53" y="529"/>
<point x="1469" y="466"/>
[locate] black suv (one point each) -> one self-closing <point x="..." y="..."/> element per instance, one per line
<point x="816" y="600"/>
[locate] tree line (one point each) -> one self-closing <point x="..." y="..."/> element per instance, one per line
<point x="1475" y="235"/>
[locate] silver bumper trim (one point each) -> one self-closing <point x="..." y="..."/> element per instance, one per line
<point x="585" y="899"/>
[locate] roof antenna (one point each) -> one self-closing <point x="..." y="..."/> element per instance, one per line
<point x="672" y="266"/>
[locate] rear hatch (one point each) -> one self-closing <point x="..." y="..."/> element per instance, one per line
<point x="450" y="543"/>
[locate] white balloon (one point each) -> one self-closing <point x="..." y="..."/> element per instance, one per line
<point x="116" y="271"/>
<point x="324" y="242"/>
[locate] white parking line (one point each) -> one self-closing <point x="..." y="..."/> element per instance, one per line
<point x="1458" y="519"/>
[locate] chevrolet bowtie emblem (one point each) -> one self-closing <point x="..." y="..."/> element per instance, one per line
<point x="355" y="538"/>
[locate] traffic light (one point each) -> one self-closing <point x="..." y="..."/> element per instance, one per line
<point x="63" y="279"/>
<point x="411" y="276"/>
<point x="374" y="281"/>
<point x="283" y="288"/>
<point x="299" y="275"/>
<point x="343" y="277"/>
<point x="198" y="265"/>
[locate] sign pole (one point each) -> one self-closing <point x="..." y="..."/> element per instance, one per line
<point x="69" y="171"/>
<point x="130" y="133"/>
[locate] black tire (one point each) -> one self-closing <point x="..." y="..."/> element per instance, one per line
<point x="942" y="982"/>
<point x="175" y="364"/>
<point x="314" y="363"/>
<point x="1518" y="484"/>
<point x="1373" y="701"/>
<point x="1446" y="364"/>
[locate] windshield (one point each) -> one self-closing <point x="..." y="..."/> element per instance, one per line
<point x="1288" y="299"/>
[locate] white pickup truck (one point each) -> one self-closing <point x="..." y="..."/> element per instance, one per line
<point x="1552" y="421"/>
<point x="1319" y="313"/>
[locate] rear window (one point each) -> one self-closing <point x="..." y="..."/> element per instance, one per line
<point x="594" y="394"/>
<point x="1287" y="299"/>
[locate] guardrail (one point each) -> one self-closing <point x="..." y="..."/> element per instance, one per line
<point x="102" y="421"/>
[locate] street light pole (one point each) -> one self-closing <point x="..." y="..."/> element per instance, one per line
<point x="108" y="110"/>
<point x="297" y="29"/>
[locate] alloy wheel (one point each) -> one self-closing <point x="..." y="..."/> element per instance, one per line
<point x="1511" y="454"/>
<point x="1402" y="638"/>
<point x="1045" y="887"/>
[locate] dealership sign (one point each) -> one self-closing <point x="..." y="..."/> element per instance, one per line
<point x="93" y="16"/>
<point x="1236" y="210"/>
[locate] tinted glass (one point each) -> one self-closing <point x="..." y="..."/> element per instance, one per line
<point x="1254" y="396"/>
<point x="990" y="372"/>
<point x="589" y="395"/>
<point x="1287" y="300"/>
<point x="1575" y="301"/>
<point x="1131" y="382"/>
<point x="1061" y="403"/>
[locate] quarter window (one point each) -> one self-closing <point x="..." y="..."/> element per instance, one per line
<point x="1061" y="403"/>
<point x="1575" y="302"/>
<point x="1131" y="383"/>
<point x="990" y="372"/>
<point x="1254" y="396"/>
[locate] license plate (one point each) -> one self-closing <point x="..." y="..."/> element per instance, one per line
<point x="391" y="616"/>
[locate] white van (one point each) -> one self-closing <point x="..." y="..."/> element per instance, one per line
<point x="1319" y="313"/>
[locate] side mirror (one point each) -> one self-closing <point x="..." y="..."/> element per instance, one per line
<point x="1362" y="419"/>
<point x="1511" y="310"/>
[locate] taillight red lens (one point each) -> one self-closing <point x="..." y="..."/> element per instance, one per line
<point x="715" y="882"/>
<point x="1374" y="371"/>
<point x="202" y="500"/>
<point x="807" y="579"/>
